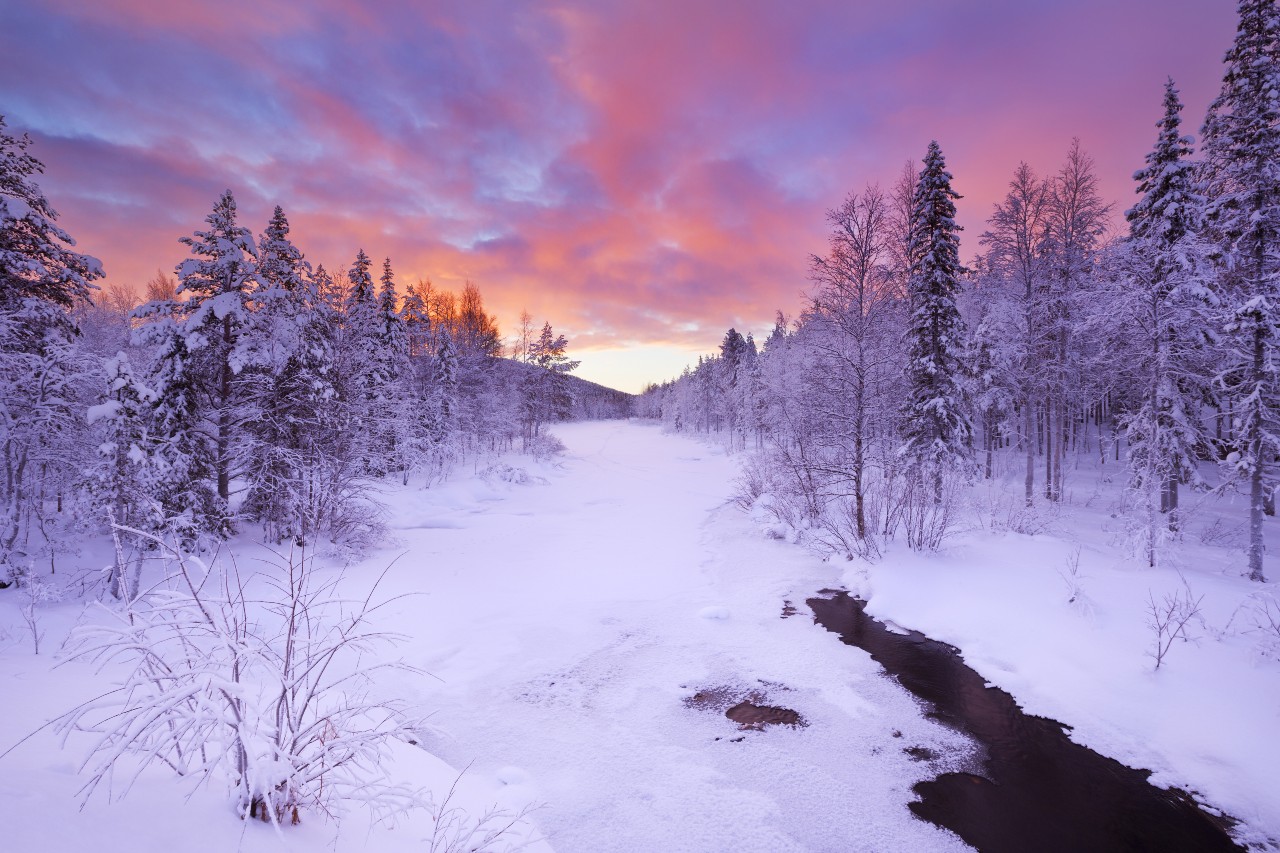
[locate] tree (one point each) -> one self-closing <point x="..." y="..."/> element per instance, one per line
<point x="183" y="456"/>
<point x="1077" y="219"/>
<point x="287" y="385"/>
<point x="546" y="393"/>
<point x="522" y="346"/>
<point x="1164" y="300"/>
<point x="477" y="333"/>
<point x="735" y="364"/>
<point x="1242" y="165"/>
<point x="119" y="478"/>
<point x="1012" y="328"/>
<point x="936" y="429"/>
<point x="417" y="321"/>
<point x="219" y="284"/>
<point x="363" y="374"/>
<point x="852" y="317"/>
<point x="443" y="405"/>
<point x="41" y="281"/>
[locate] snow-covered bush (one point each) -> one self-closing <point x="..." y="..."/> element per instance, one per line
<point x="753" y="482"/>
<point x="256" y="681"/>
<point x="927" y="522"/>
<point x="544" y="446"/>
<point x="837" y="529"/>
<point x="456" y="830"/>
<point x="1168" y="619"/>
<point x="505" y="473"/>
<point x="1264" y="613"/>
<point x="35" y="591"/>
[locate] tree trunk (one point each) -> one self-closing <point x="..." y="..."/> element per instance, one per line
<point x="1256" y="447"/>
<point x="1029" y="439"/>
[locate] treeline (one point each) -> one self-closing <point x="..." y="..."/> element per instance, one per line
<point x="251" y="388"/>
<point x="908" y="374"/>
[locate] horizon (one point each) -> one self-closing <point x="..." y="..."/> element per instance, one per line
<point x="643" y="177"/>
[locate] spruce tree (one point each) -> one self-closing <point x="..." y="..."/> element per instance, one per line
<point x="41" y="281"/>
<point x="216" y="316"/>
<point x="1242" y="166"/>
<point x="936" y="429"/>
<point x="1165" y="310"/>
<point x="117" y="481"/>
<point x="283" y="385"/>
<point x="364" y="374"/>
<point x="546" y="393"/>
<point x="443" y="401"/>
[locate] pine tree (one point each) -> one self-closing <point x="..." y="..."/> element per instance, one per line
<point x="399" y="433"/>
<point x="393" y="338"/>
<point x="546" y="393"/>
<point x="119" y="478"/>
<point x="219" y="284"/>
<point x="183" y="458"/>
<point x="363" y="377"/>
<point x="442" y="403"/>
<point x="1242" y="164"/>
<point x="417" y="322"/>
<point x="734" y="365"/>
<point x="41" y="281"/>
<point x="936" y="429"/>
<point x="1164" y="301"/>
<point x="283" y="384"/>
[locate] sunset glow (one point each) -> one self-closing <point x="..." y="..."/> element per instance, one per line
<point x="643" y="175"/>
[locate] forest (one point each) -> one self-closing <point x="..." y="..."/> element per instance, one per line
<point x="908" y="374"/>
<point x="250" y="388"/>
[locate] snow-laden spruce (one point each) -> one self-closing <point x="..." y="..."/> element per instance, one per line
<point x="937" y="433"/>
<point x="1160" y="329"/>
<point x="41" y="281"/>
<point x="1242" y="170"/>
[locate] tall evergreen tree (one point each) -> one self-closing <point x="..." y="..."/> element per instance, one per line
<point x="219" y="284"/>
<point x="284" y="385"/>
<point x="119" y="478"/>
<point x="1163" y="299"/>
<point x="444" y="393"/>
<point x="546" y="393"/>
<point x="1242" y="165"/>
<point x="365" y="377"/>
<point x="936" y="428"/>
<point x="41" y="281"/>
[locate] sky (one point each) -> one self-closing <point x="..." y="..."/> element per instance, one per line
<point x="644" y="174"/>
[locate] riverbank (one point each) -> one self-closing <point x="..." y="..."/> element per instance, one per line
<point x="1061" y="619"/>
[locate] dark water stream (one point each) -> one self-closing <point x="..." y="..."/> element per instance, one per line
<point x="1038" y="790"/>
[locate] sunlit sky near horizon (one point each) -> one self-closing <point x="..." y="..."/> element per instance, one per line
<point x="643" y="174"/>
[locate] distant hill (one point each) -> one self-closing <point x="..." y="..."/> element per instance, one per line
<point x="591" y="401"/>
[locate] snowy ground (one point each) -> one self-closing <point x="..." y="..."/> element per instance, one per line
<point x="1204" y="722"/>
<point x="566" y="619"/>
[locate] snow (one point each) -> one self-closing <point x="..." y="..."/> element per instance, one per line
<point x="585" y="621"/>
<point x="107" y="409"/>
<point x="567" y="620"/>
<point x="1204" y="721"/>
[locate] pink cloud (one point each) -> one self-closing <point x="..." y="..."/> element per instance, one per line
<point x="634" y="172"/>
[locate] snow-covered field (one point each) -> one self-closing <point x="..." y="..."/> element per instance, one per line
<point x="568" y="617"/>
